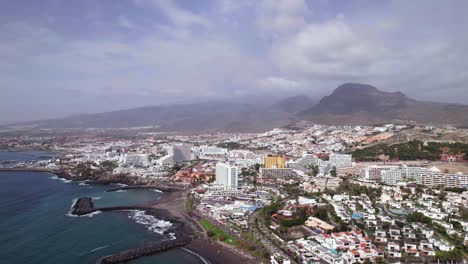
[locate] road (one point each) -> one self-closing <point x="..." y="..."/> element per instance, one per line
<point x="259" y="234"/>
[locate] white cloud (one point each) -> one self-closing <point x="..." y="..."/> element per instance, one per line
<point x="125" y="22"/>
<point x="282" y="16"/>
<point x="177" y="15"/>
<point x="279" y="84"/>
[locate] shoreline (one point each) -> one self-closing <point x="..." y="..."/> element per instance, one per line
<point x="171" y="207"/>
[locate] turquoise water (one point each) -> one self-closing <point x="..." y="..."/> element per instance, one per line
<point x="35" y="227"/>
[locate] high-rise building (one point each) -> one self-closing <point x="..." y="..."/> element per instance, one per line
<point x="177" y="154"/>
<point x="303" y="163"/>
<point x="213" y="150"/>
<point x="226" y="175"/>
<point x="340" y="161"/>
<point x="275" y="162"/>
<point x="444" y="180"/>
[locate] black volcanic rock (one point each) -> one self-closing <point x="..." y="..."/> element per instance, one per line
<point x="83" y="206"/>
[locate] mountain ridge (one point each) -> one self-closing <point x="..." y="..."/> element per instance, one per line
<point x="348" y="104"/>
<point x="354" y="103"/>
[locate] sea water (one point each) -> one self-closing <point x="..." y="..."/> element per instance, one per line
<point x="36" y="227"/>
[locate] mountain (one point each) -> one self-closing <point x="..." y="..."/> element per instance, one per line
<point x="354" y="103"/>
<point x="221" y="116"/>
<point x="349" y="104"/>
<point x="295" y="104"/>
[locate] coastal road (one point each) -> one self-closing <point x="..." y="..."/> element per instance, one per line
<point x="259" y="234"/>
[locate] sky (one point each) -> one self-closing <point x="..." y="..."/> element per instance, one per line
<point x="60" y="57"/>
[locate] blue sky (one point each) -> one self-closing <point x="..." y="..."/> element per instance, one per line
<point x="62" y="57"/>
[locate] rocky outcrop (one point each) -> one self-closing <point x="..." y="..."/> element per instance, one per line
<point x="83" y="206"/>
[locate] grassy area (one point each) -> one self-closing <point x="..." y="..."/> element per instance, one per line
<point x="253" y="247"/>
<point x="216" y="232"/>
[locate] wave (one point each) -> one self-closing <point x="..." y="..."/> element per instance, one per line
<point x="86" y="215"/>
<point x="158" y="191"/>
<point x="152" y="223"/>
<point x="55" y="177"/>
<point x="198" y="255"/>
<point x="121" y="191"/>
<point x="98" y="248"/>
<point x="120" y="184"/>
<point x="96" y="198"/>
<point x="83" y="184"/>
<point x="65" y="180"/>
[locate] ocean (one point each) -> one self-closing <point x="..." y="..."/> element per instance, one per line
<point x="36" y="227"/>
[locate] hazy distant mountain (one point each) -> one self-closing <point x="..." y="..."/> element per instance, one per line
<point x="295" y="104"/>
<point x="349" y="104"/>
<point x="353" y="103"/>
<point x="225" y="116"/>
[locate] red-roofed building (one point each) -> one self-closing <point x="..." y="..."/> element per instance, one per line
<point x="452" y="157"/>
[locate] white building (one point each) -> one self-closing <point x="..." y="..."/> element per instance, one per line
<point x="178" y="154"/>
<point x="340" y="161"/>
<point x="444" y="180"/>
<point x="212" y="150"/>
<point x="303" y="163"/>
<point x="226" y="175"/>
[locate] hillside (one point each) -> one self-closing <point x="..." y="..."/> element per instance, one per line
<point x="222" y="116"/>
<point x="295" y="104"/>
<point x="352" y="104"/>
<point x="349" y="104"/>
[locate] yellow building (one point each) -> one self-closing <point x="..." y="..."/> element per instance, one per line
<point x="275" y="162"/>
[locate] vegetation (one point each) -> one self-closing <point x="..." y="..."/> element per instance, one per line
<point x="456" y="254"/>
<point x="313" y="170"/>
<point x="412" y="150"/>
<point x="356" y="189"/>
<point x="88" y="169"/>
<point x="189" y="203"/>
<point x="230" y="145"/>
<point x="418" y="217"/>
<point x="455" y="190"/>
<point x="215" y="232"/>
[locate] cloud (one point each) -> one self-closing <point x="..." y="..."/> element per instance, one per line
<point x="163" y="51"/>
<point x="281" y="16"/>
<point x="278" y="83"/>
<point x="125" y="22"/>
<point x="178" y="16"/>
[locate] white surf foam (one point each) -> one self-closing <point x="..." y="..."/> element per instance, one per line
<point x="152" y="223"/>
<point x="120" y="184"/>
<point x="98" y="248"/>
<point x="65" y="180"/>
<point x="198" y="255"/>
<point x="121" y="191"/>
<point x="86" y="215"/>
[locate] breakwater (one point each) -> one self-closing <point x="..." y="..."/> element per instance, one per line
<point x="180" y="227"/>
<point x="162" y="188"/>
<point x="149" y="249"/>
